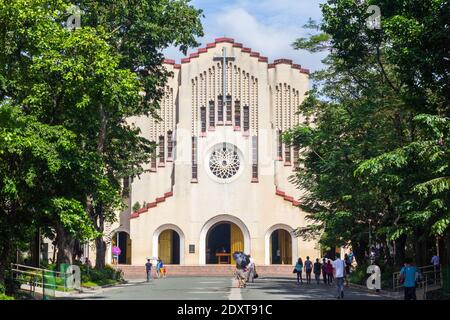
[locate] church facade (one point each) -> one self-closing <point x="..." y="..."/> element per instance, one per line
<point x="219" y="179"/>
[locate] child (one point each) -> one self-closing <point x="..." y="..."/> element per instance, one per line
<point x="159" y="266"/>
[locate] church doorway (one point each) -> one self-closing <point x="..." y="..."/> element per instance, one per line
<point x="169" y="247"/>
<point x="280" y="247"/>
<point x="222" y="240"/>
<point x="122" y="240"/>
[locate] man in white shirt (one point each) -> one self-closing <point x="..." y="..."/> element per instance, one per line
<point x="339" y="274"/>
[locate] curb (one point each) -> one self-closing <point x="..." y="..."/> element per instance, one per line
<point x="96" y="288"/>
<point x="381" y="293"/>
<point x="89" y="290"/>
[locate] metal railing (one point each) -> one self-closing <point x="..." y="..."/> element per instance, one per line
<point x="29" y="278"/>
<point x="430" y="278"/>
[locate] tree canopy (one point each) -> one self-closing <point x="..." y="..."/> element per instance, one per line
<point x="376" y="154"/>
<point x="75" y="89"/>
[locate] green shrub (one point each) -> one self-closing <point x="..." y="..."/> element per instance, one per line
<point x="93" y="277"/>
<point x="358" y="276"/>
<point x="136" y="206"/>
<point x="5" y="297"/>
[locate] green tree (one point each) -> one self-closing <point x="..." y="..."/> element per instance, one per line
<point x="367" y="103"/>
<point x="37" y="164"/>
<point x="89" y="81"/>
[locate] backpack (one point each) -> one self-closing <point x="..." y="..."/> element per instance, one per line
<point x="308" y="265"/>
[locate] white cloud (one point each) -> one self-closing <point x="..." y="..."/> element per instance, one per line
<point x="266" y="26"/>
<point x="245" y="28"/>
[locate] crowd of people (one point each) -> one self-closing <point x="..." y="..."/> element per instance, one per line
<point x="337" y="271"/>
<point x="332" y="271"/>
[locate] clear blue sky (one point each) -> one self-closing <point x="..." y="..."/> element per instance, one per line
<point x="266" y="26"/>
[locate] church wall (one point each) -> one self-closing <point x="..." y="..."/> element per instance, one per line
<point x="257" y="210"/>
<point x="194" y="202"/>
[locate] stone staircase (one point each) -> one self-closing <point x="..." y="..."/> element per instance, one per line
<point x="138" y="272"/>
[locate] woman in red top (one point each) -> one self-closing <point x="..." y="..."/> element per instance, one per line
<point x="329" y="271"/>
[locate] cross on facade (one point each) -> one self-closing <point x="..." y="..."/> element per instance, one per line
<point x="224" y="58"/>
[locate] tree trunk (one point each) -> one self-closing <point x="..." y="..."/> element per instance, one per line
<point x="54" y="243"/>
<point x="100" y="254"/>
<point x="5" y="267"/>
<point x="400" y="249"/>
<point x="359" y="251"/>
<point x="420" y="248"/>
<point x="444" y="248"/>
<point x="4" y="261"/>
<point x="65" y="246"/>
<point x="100" y="244"/>
<point x="34" y="248"/>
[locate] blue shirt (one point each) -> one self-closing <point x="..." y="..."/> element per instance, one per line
<point x="350" y="256"/>
<point x="298" y="266"/>
<point x="409" y="274"/>
<point x="148" y="266"/>
<point x="435" y="261"/>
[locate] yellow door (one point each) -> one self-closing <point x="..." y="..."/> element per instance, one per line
<point x="288" y="239"/>
<point x="270" y="249"/>
<point x="236" y="241"/>
<point x="128" y="258"/>
<point x="285" y="245"/>
<point x="281" y="245"/>
<point x="165" y="246"/>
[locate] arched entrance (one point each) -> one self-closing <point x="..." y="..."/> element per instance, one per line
<point x="222" y="240"/>
<point x="122" y="240"/>
<point x="168" y="244"/>
<point x="205" y="233"/>
<point x="169" y="247"/>
<point x="280" y="245"/>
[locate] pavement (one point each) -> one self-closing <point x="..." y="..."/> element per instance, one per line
<point x="222" y="288"/>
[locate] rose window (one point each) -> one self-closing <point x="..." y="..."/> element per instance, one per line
<point x="224" y="162"/>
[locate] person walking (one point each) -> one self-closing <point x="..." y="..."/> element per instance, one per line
<point x="317" y="270"/>
<point x="308" y="269"/>
<point x="298" y="269"/>
<point x="329" y="271"/>
<point x="324" y="271"/>
<point x="408" y="277"/>
<point x="148" y="270"/>
<point x="241" y="273"/>
<point x="339" y="274"/>
<point x="251" y="269"/>
<point x="348" y="265"/>
<point x="351" y="256"/>
<point x="159" y="266"/>
<point x="437" y="267"/>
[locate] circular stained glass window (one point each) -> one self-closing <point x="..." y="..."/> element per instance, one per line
<point x="224" y="162"/>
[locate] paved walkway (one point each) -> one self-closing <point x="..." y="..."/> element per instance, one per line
<point x="222" y="288"/>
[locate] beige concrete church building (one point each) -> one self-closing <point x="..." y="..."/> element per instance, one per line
<point x="219" y="179"/>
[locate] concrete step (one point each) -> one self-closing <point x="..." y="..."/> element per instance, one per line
<point x="134" y="271"/>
